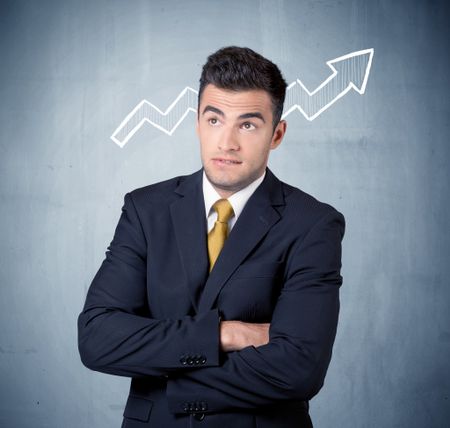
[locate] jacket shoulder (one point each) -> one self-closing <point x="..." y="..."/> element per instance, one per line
<point x="301" y="203"/>
<point x="158" y="193"/>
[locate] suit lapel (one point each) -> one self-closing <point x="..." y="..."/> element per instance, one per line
<point x="257" y="218"/>
<point x="189" y="221"/>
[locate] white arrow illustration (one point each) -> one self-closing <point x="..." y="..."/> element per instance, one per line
<point x="348" y="71"/>
<point x="166" y="121"/>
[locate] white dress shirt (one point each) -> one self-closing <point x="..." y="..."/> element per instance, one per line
<point x="237" y="200"/>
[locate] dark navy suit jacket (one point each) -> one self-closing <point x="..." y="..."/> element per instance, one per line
<point x="152" y="311"/>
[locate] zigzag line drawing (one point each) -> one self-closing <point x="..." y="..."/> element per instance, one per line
<point x="349" y="71"/>
<point x="165" y="121"/>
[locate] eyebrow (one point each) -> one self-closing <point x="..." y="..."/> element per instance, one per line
<point x="256" y="114"/>
<point x="214" y="110"/>
<point x="249" y="115"/>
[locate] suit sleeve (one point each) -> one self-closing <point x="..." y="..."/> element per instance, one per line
<point x="292" y="366"/>
<point x="116" y="334"/>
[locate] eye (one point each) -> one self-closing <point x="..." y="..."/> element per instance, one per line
<point x="213" y="121"/>
<point x="248" y="126"/>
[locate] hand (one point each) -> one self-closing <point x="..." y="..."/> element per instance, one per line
<point x="236" y="335"/>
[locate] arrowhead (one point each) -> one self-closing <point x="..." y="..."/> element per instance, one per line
<point x="353" y="68"/>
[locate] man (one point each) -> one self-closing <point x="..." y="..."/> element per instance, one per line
<point x="219" y="295"/>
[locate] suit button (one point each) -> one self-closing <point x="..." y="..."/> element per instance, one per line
<point x="190" y="361"/>
<point x="183" y="360"/>
<point x="185" y="407"/>
<point x="202" y="360"/>
<point x="203" y="406"/>
<point x="199" y="416"/>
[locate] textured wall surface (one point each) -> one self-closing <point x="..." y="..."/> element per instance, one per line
<point x="72" y="70"/>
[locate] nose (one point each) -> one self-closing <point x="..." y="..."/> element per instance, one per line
<point x="228" y="140"/>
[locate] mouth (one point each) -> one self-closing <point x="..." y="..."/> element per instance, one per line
<point x="223" y="161"/>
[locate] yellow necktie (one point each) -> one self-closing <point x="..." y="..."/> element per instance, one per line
<point x="218" y="234"/>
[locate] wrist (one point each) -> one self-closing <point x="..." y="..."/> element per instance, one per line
<point x="229" y="335"/>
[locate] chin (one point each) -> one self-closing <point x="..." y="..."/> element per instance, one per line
<point x="230" y="186"/>
<point x="221" y="182"/>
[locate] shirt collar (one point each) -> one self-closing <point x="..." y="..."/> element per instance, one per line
<point x="237" y="200"/>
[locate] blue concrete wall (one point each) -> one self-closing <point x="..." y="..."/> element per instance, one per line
<point x="70" y="71"/>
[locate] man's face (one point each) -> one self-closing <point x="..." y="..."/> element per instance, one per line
<point x="236" y="134"/>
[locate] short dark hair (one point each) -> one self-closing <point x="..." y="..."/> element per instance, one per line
<point x="238" y="69"/>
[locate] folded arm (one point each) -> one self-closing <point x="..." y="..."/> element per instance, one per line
<point x="116" y="334"/>
<point x="292" y="366"/>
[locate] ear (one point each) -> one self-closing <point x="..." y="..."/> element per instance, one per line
<point x="197" y="127"/>
<point x="278" y="134"/>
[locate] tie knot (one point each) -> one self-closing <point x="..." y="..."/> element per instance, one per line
<point x="224" y="210"/>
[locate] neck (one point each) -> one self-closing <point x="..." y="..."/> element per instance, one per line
<point x="225" y="194"/>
